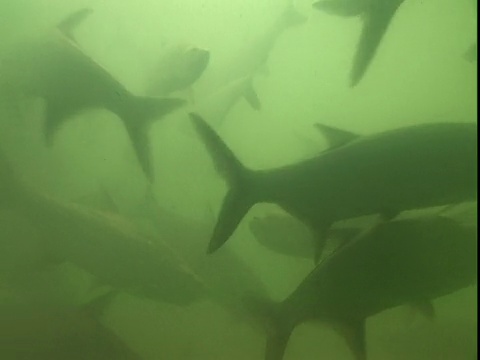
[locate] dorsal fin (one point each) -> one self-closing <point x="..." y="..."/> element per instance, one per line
<point x="68" y="24"/>
<point x="336" y="137"/>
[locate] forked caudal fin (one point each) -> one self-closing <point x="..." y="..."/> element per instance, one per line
<point x="375" y="24"/>
<point x="240" y="196"/>
<point x="137" y="116"/>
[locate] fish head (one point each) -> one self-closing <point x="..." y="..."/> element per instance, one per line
<point x="195" y="60"/>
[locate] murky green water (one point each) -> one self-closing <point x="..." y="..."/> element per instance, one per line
<point x="270" y="75"/>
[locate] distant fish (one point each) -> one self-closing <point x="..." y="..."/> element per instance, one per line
<point x="256" y="53"/>
<point x="188" y="237"/>
<point x="218" y="105"/>
<point x="401" y="262"/>
<point x="251" y="61"/>
<point x="55" y="69"/>
<point x="376" y="16"/>
<point x="178" y="69"/>
<point x="108" y="246"/>
<point x="45" y="333"/>
<point x="376" y="174"/>
<point x="286" y="235"/>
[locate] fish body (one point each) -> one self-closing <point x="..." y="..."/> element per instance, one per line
<point x="29" y="331"/>
<point x="401" y="262"/>
<point x="250" y="62"/>
<point x="255" y="54"/>
<point x="403" y="169"/>
<point x="107" y="246"/>
<point x="188" y="237"/>
<point x="56" y="69"/>
<point x="177" y="70"/>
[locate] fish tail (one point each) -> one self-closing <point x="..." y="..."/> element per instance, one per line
<point x="276" y="326"/>
<point x="137" y="115"/>
<point x="241" y="195"/>
<point x="376" y="22"/>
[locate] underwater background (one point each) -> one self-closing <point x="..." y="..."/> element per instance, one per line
<point x="418" y="75"/>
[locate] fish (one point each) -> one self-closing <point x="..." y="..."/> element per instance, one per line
<point x="285" y="235"/>
<point x="55" y="69"/>
<point x="218" y="105"/>
<point x="178" y="69"/>
<point x="253" y="59"/>
<point x="29" y="331"/>
<point x="249" y="63"/>
<point x="411" y="167"/>
<point x="401" y="262"/>
<point x="187" y="237"/>
<point x="108" y="246"/>
<point x="376" y="18"/>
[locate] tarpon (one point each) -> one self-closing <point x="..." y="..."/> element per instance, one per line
<point x="412" y="167"/>
<point x="177" y="69"/>
<point x="411" y="261"/>
<point x="250" y="62"/>
<point x="254" y="57"/>
<point x="55" y="69"/>
<point x="376" y="17"/>
<point x="108" y="246"/>
<point x="288" y="236"/>
<point x="187" y="237"/>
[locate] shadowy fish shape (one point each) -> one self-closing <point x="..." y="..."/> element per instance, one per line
<point x="411" y="261"/>
<point x="46" y="333"/>
<point x="386" y="173"/>
<point x="178" y="69"/>
<point x="55" y="69"/>
<point x="107" y="246"/>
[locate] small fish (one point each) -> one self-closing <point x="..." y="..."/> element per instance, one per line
<point x="376" y="174"/>
<point x="178" y="69"/>
<point x="376" y="16"/>
<point x="411" y="261"/>
<point x="55" y="69"/>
